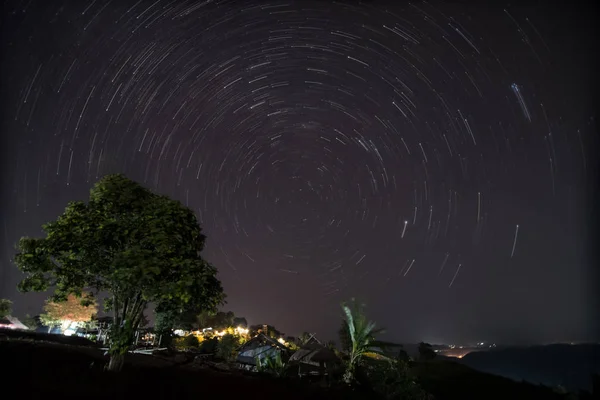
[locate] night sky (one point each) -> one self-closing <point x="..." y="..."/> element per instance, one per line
<point x="430" y="159"/>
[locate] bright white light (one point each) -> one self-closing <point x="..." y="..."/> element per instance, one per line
<point x="241" y="331"/>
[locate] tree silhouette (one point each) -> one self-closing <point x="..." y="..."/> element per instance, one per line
<point x="362" y="338"/>
<point x="426" y="353"/>
<point x="131" y="243"/>
<point x="5" y="307"/>
<point x="240" y="321"/>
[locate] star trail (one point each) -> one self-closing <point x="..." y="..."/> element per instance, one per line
<point x="428" y="158"/>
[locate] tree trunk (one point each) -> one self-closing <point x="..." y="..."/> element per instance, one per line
<point x="116" y="362"/>
<point x="350" y="374"/>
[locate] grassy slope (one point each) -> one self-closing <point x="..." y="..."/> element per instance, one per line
<point x="451" y="380"/>
<point x="53" y="371"/>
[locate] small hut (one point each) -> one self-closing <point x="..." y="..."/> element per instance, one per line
<point x="260" y="346"/>
<point x="314" y="359"/>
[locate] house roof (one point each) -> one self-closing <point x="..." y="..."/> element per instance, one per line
<point x="249" y="356"/>
<point x="314" y="353"/>
<point x="261" y="340"/>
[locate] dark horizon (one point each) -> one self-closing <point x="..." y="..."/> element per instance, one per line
<point x="435" y="161"/>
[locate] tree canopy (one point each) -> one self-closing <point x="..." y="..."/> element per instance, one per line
<point x="73" y="309"/>
<point x="5" y="307"/>
<point x="138" y="246"/>
<point x="268" y="330"/>
<point x="221" y="320"/>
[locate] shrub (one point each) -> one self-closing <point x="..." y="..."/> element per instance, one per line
<point x="191" y="341"/>
<point x="177" y="342"/>
<point x="272" y="365"/>
<point x="391" y="379"/>
<point x="227" y="346"/>
<point x="209" y="346"/>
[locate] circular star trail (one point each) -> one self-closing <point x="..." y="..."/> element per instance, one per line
<point x="425" y="158"/>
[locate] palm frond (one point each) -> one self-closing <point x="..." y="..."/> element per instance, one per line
<point x="350" y="322"/>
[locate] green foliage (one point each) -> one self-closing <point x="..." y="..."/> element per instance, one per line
<point x="178" y="343"/>
<point x="292" y="343"/>
<point x="74" y="308"/>
<point x="344" y="336"/>
<point x="272" y="365"/>
<point x="209" y="346"/>
<point x="227" y="346"/>
<point x="186" y="321"/>
<point x="362" y="338"/>
<point x="47" y="320"/>
<point x="240" y="321"/>
<point x="218" y="321"/>
<point x="223" y="320"/>
<point x="5" y="307"/>
<point x="426" y="353"/>
<point x="203" y="319"/>
<point x="403" y="356"/>
<point x="137" y="246"/>
<point x="270" y="331"/>
<point x="391" y="379"/>
<point x="191" y="341"/>
<point x="32" y="323"/>
<point x="163" y="327"/>
<point x="304" y="338"/>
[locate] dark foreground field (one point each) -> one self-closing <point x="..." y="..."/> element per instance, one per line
<point x="55" y="371"/>
<point x="39" y="369"/>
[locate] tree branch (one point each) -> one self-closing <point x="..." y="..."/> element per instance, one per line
<point x="125" y="305"/>
<point x="138" y="316"/>
<point x="115" y="311"/>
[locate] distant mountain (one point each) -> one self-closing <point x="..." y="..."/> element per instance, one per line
<point x="570" y="366"/>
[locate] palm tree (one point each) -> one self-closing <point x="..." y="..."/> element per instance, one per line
<point x="361" y="333"/>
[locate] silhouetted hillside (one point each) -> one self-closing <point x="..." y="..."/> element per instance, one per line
<point x="448" y="380"/>
<point x="570" y="366"/>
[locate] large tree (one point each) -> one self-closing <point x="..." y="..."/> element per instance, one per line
<point x="137" y="246"/>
